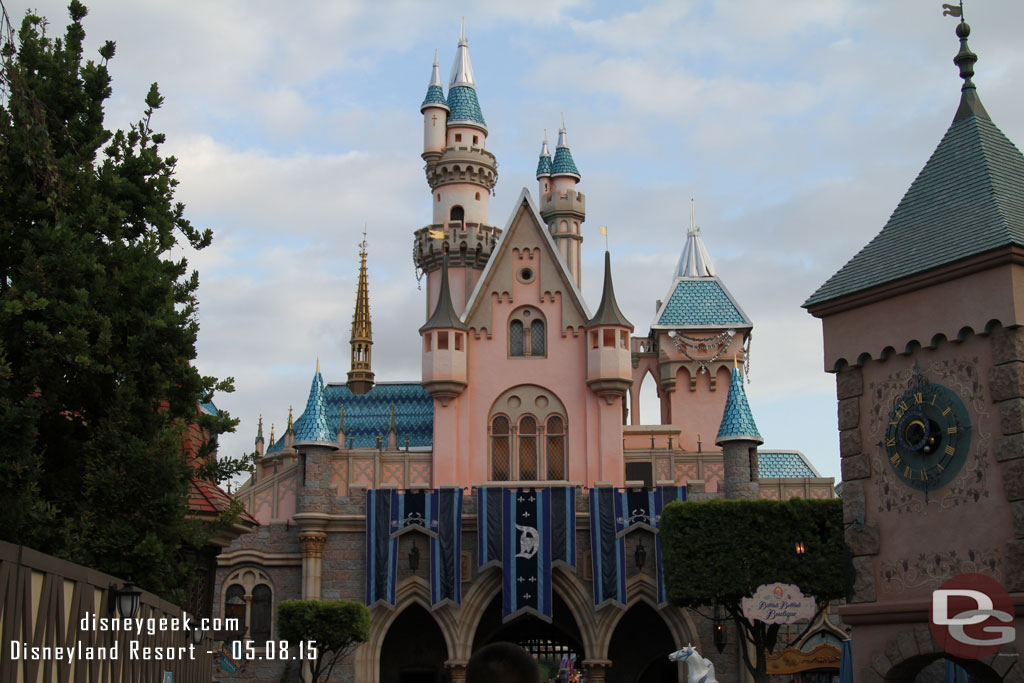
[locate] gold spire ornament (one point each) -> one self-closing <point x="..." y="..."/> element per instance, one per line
<point x="360" y="377"/>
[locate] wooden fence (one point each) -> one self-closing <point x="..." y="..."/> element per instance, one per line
<point x="44" y="600"/>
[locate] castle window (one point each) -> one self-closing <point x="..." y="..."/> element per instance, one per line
<point x="458" y="137"/>
<point x="555" y="449"/>
<point x="515" y="338"/>
<point x="457" y="214"/>
<point x="426" y="342"/>
<point x="528" y="448"/>
<point x="442" y="340"/>
<point x="527" y="335"/>
<point x="478" y="196"/>
<point x="259" y="630"/>
<point x="528" y="432"/>
<point x="458" y="341"/>
<point x="537" y="338"/>
<point x="249" y="598"/>
<point x="500" y="466"/>
<point x="609" y="338"/>
<point x="476" y="140"/>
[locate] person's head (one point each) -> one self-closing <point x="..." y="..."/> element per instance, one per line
<point x="502" y="663"/>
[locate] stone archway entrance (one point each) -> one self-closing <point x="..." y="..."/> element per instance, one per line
<point x="639" y="648"/>
<point x="414" y="650"/>
<point x="549" y="642"/>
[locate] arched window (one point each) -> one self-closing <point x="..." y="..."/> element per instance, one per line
<point x="261" y="606"/>
<point x="528" y="448"/>
<point x="515" y="338"/>
<point x="537" y="338"/>
<point x="500" y="451"/>
<point x="555" y="449"/>
<point x="234" y="603"/>
<point x="457" y="214"/>
<point x="527" y="334"/>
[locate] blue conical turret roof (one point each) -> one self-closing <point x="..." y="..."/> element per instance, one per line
<point x="563" y="163"/>
<point x="544" y="163"/>
<point x="462" y="89"/>
<point x="737" y="420"/>
<point x="435" y="94"/>
<point x="312" y="425"/>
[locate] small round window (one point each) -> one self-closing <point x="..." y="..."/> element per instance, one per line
<point x="526" y="274"/>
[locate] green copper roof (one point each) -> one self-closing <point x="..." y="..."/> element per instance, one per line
<point x="968" y="199"/>
<point x="544" y="165"/>
<point x="314" y="424"/>
<point x="563" y="163"/>
<point x="435" y="97"/>
<point x="368" y="416"/>
<point x="737" y="420"/>
<point x="783" y="465"/>
<point x="464" y="106"/>
<point x="700" y="302"/>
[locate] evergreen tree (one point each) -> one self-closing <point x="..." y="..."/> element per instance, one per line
<point x="97" y="320"/>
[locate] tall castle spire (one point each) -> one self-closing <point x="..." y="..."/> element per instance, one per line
<point x="695" y="261"/>
<point x="561" y="206"/>
<point x="360" y="377"/>
<point x="461" y="174"/>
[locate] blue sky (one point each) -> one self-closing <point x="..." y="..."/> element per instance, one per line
<point x="796" y="127"/>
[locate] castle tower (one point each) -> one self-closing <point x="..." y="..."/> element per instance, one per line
<point x="259" y="438"/>
<point x="561" y="206"/>
<point x="924" y="330"/>
<point x="360" y="377"/>
<point x="697" y="329"/>
<point x="444" y="347"/>
<point x="544" y="169"/>
<point x="609" y="371"/>
<point x="739" y="439"/>
<point x="461" y="174"/>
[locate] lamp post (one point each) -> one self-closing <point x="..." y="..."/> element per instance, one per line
<point x="127" y="599"/>
<point x="414" y="557"/>
<point x="718" y="628"/>
<point x="640" y="555"/>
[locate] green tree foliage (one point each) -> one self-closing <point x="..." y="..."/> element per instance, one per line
<point x="335" y="626"/>
<point x="97" y="320"/>
<point x="720" y="551"/>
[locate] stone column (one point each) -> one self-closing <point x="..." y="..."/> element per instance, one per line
<point x="740" y="480"/>
<point x="595" y="669"/>
<point x="312" y="564"/>
<point x="456" y="670"/>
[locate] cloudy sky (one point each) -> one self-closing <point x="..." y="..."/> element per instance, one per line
<point x="796" y="126"/>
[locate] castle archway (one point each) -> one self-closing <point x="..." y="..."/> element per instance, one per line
<point x="639" y="648"/>
<point x="414" y="649"/>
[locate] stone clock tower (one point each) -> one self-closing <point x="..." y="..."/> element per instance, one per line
<point x="923" y="330"/>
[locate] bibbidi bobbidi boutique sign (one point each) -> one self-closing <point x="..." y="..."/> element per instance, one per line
<point x="134" y="639"/>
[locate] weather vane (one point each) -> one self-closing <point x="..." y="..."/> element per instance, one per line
<point x="954" y="11"/>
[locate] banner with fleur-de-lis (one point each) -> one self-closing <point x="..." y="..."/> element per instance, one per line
<point x="526" y="552"/>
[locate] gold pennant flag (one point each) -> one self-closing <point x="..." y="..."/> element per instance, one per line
<point x="437" y="234"/>
<point x="604" y="230"/>
<point x="951" y="11"/>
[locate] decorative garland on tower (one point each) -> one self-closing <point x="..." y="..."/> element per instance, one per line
<point x="718" y="343"/>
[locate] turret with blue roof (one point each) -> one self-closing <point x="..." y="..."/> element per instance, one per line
<point x="563" y="164"/>
<point x="462" y="101"/>
<point x="435" y="93"/>
<point x="314" y="426"/>
<point x="544" y="162"/>
<point x="739" y="439"/>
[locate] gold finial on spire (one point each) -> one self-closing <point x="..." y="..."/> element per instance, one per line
<point x="272" y="439"/>
<point x="735" y="362"/>
<point x="318" y="364"/>
<point x="360" y="376"/>
<point x="290" y="424"/>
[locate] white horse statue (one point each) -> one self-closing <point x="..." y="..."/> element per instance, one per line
<point x="699" y="669"/>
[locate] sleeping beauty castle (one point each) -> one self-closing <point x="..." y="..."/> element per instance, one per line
<point x="509" y="492"/>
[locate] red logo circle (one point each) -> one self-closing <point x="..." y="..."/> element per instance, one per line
<point x="971" y="616"/>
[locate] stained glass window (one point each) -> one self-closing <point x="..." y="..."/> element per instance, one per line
<point x="528" y="448"/>
<point x="515" y="338"/>
<point x="499" y="449"/>
<point x="537" y="338"/>
<point x="555" y="449"/>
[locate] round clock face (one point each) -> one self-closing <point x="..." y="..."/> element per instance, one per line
<point x="928" y="437"/>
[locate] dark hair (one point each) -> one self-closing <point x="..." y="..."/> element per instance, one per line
<point x="502" y="663"/>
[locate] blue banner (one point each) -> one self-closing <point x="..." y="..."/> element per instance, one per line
<point x="563" y="525"/>
<point x="526" y="553"/>
<point x="381" y="546"/>
<point x="446" y="547"/>
<point x="488" y="515"/>
<point x="613" y="514"/>
<point x="436" y="513"/>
